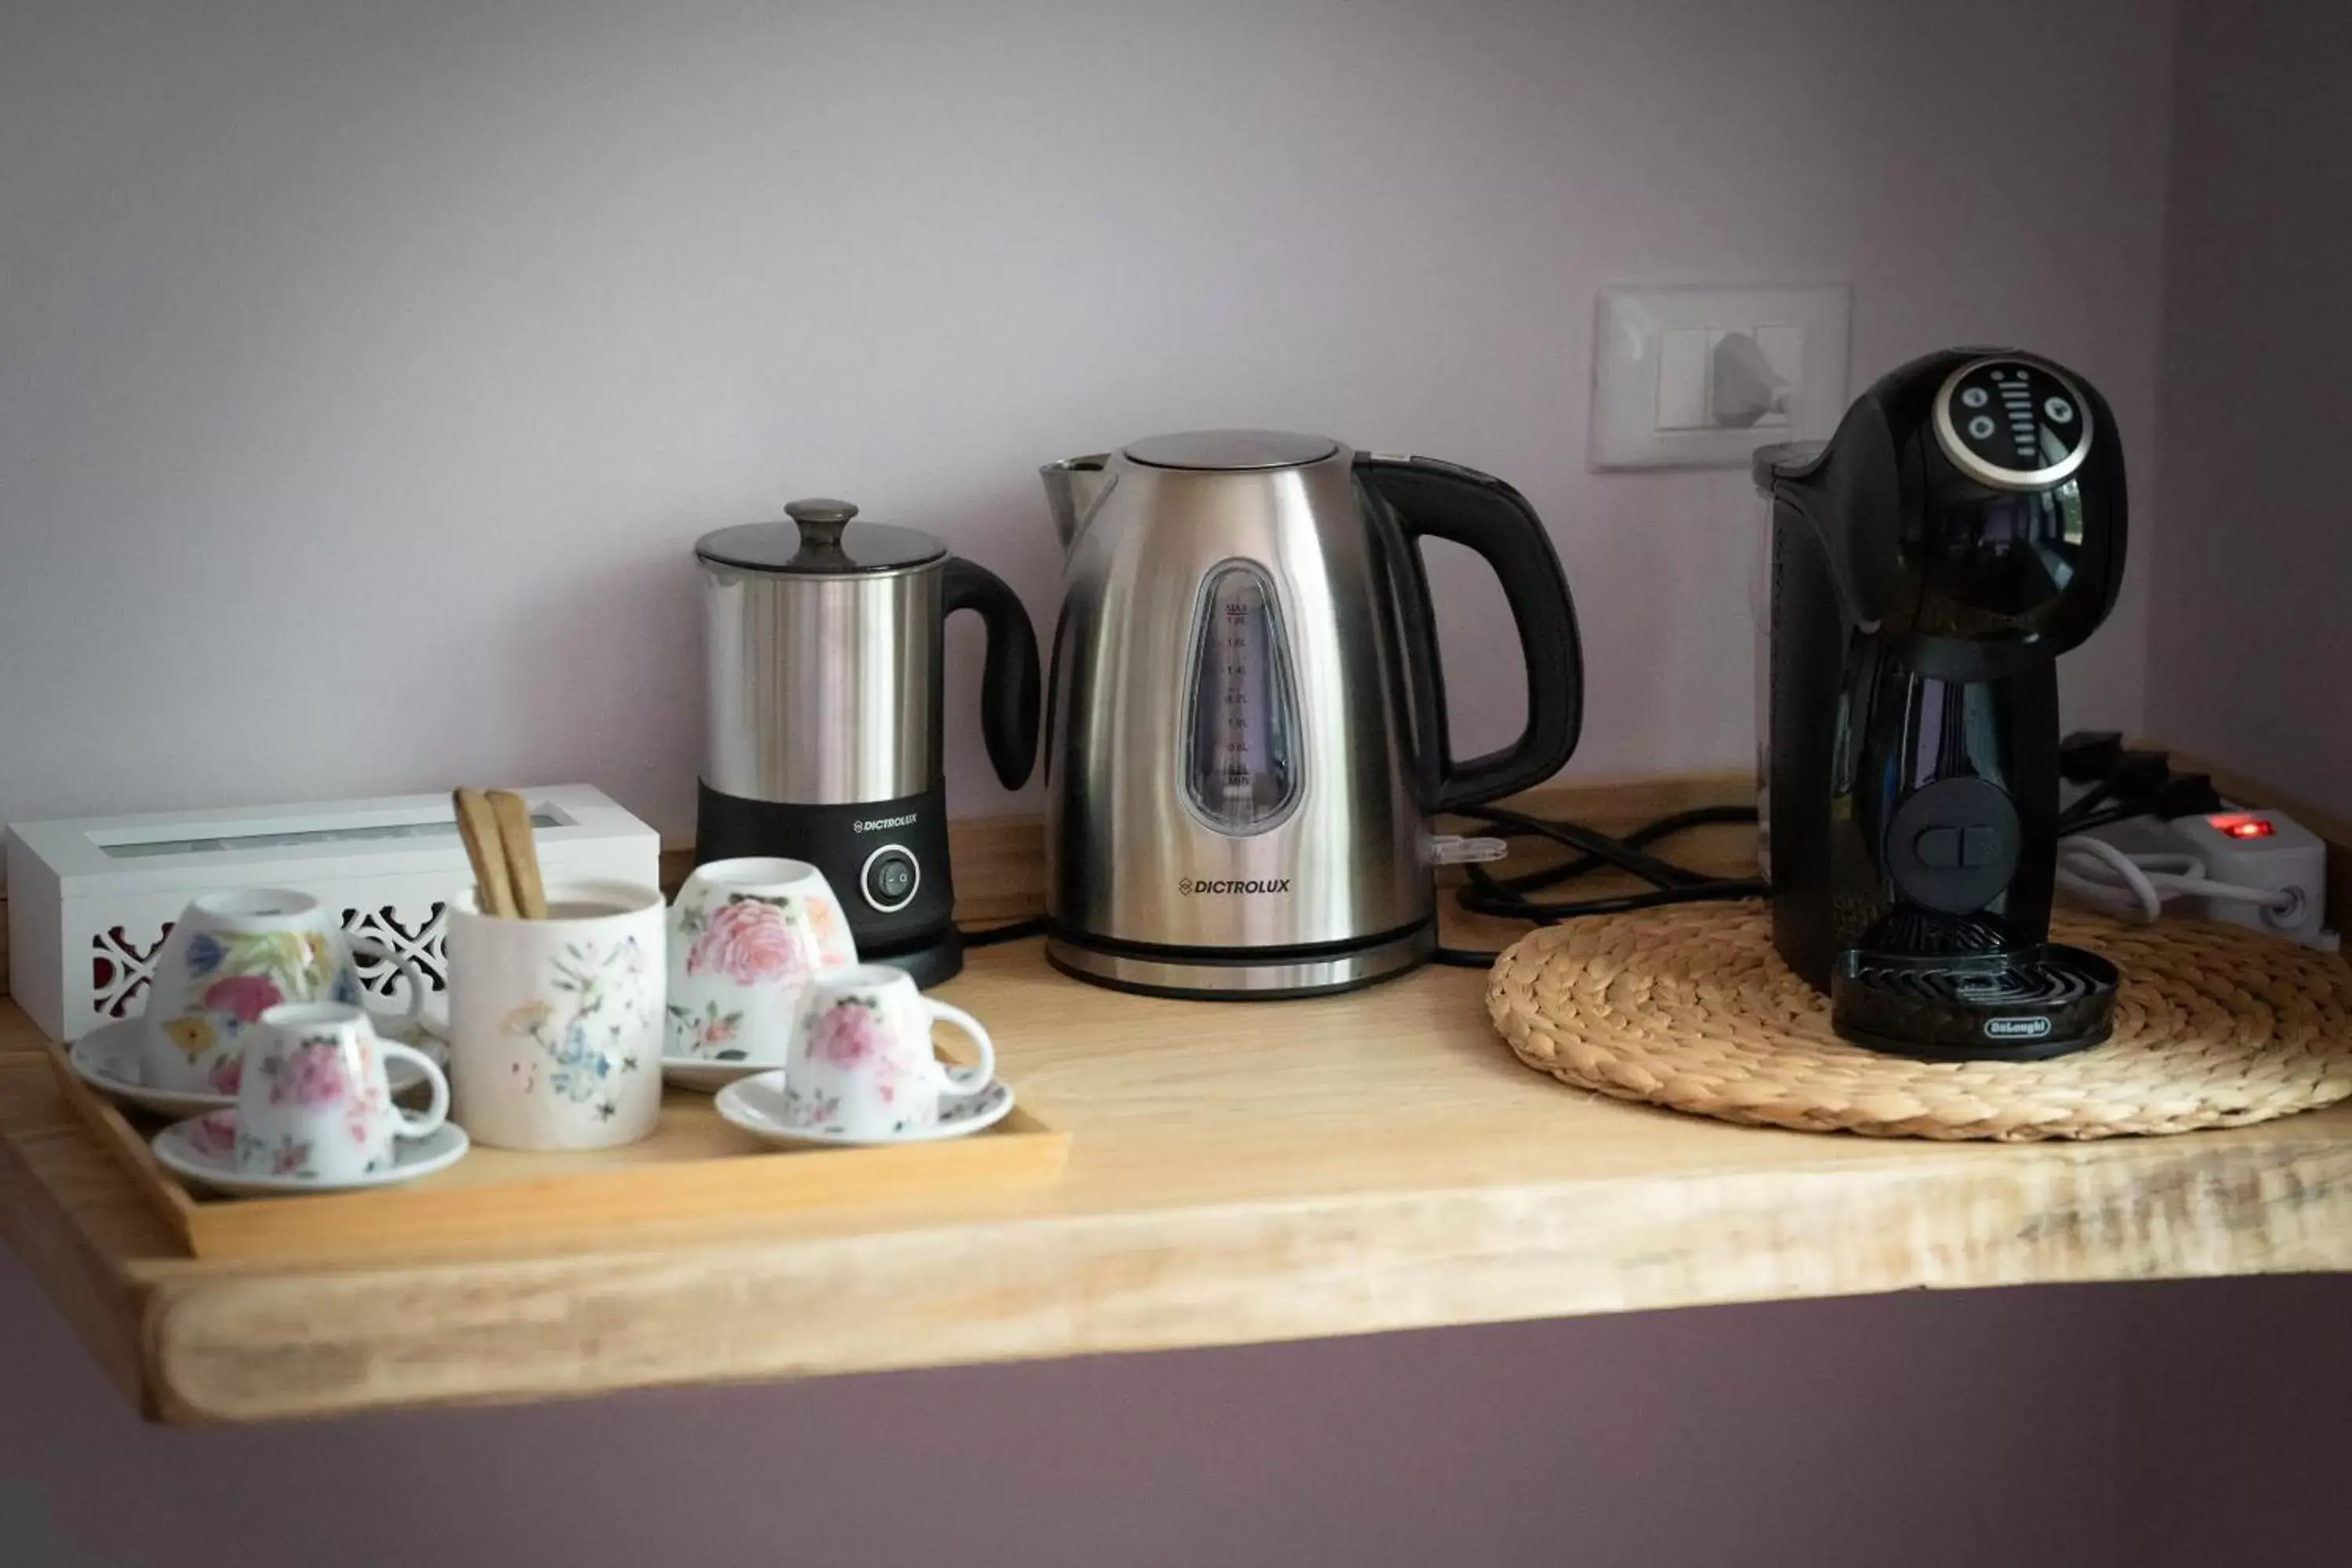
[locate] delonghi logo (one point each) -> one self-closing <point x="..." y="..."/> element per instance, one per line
<point x="881" y="824"/>
<point x="1189" y="886"/>
<point x="2016" y="1029"/>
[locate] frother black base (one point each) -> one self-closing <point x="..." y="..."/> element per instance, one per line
<point x="2024" y="1005"/>
<point x="931" y="963"/>
<point x="847" y="842"/>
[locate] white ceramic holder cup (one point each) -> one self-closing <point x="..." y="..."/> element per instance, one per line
<point x="746" y="937"/>
<point x="316" y="1104"/>
<point x="861" y="1064"/>
<point x="229" y="958"/>
<point x="555" y="1024"/>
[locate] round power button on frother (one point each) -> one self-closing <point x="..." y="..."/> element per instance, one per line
<point x="889" y="879"/>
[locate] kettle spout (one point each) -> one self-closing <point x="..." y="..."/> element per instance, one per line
<point x="1072" y="487"/>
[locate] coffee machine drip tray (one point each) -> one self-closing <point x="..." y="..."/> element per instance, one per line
<point x="1239" y="974"/>
<point x="2021" y="1005"/>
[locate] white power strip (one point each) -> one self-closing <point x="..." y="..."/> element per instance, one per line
<point x="2261" y="869"/>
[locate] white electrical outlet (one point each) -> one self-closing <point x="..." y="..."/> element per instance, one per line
<point x="1700" y="377"/>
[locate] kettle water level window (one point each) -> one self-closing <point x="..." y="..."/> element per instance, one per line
<point x="1241" y="764"/>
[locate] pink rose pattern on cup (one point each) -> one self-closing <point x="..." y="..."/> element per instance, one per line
<point x="850" y="1036"/>
<point x="749" y="938"/>
<point x="314" y="1076"/>
<point x="310" y="1075"/>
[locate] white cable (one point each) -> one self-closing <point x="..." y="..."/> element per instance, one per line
<point x="2136" y="886"/>
<point x="2101" y="875"/>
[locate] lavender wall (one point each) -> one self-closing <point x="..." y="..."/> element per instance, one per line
<point x="2236" y="1423"/>
<point x="364" y="371"/>
<point x="367" y="370"/>
<point x="2249" y="633"/>
<point x="1924" y="1431"/>
<point x="2238" y="1413"/>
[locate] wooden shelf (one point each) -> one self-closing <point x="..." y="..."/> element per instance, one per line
<point x="1239" y="1172"/>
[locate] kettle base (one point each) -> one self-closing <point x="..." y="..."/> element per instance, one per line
<point x="1240" y="974"/>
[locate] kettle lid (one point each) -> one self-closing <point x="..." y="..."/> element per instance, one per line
<point x="819" y="541"/>
<point x="1232" y="450"/>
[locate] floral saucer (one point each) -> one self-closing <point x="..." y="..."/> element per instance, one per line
<point x="204" y="1150"/>
<point x="757" y="1106"/>
<point x="106" y="1058"/>
<point x="708" y="1075"/>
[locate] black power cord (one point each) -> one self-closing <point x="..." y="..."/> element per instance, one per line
<point x="2123" y="783"/>
<point x="1011" y="931"/>
<point x="1507" y="897"/>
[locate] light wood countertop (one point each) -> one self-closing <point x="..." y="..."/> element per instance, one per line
<point x="1240" y="1171"/>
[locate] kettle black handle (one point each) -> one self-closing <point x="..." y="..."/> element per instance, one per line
<point x="1008" y="681"/>
<point x="1444" y="500"/>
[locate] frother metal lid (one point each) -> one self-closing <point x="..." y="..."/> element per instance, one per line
<point x="820" y="540"/>
<point x="1232" y="450"/>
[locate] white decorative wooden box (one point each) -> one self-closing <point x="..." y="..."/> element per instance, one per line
<point x="90" y="900"/>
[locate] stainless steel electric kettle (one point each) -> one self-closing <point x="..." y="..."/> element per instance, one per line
<point x="1245" y="720"/>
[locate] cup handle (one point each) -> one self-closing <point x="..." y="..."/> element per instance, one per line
<point x="408" y="972"/>
<point x="973" y="1078"/>
<point x="430" y="1119"/>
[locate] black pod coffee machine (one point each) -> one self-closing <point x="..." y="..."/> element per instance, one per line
<point x="1963" y="528"/>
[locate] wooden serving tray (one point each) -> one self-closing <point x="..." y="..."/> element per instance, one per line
<point x="696" y="1166"/>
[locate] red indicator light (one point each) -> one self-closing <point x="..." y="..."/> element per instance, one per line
<point x="2241" y="827"/>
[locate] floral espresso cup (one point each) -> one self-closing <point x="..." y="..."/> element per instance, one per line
<point x="555" y="1026"/>
<point x="861" y="1063"/>
<point x="229" y="958"/>
<point x="745" y="939"/>
<point x="316" y="1104"/>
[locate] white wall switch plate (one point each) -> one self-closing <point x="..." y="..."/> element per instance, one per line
<point x="1658" y="371"/>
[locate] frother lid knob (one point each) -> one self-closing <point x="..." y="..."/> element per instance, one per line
<point x="821" y="521"/>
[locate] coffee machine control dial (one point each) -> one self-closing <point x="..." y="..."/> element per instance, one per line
<point x="2013" y="425"/>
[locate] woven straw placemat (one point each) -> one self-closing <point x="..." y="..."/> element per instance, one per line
<point x="1690" y="1008"/>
